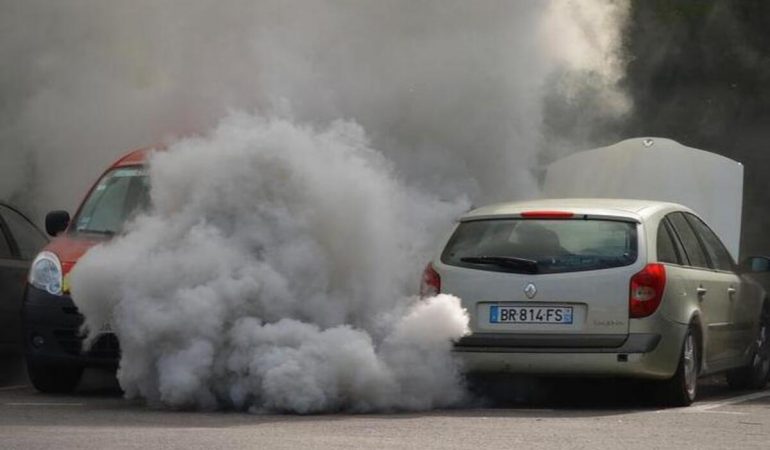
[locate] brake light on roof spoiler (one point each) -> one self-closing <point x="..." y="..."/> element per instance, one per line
<point x="547" y="215"/>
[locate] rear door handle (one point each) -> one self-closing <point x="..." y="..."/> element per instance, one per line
<point x="701" y="291"/>
<point x="731" y="291"/>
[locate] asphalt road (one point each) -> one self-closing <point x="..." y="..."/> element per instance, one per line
<point x="558" y="414"/>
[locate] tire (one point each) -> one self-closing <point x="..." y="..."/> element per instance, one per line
<point x="53" y="379"/>
<point x="755" y="375"/>
<point x="682" y="388"/>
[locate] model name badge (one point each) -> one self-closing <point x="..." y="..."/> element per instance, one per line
<point x="609" y="323"/>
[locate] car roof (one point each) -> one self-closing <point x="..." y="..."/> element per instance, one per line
<point x="134" y="157"/>
<point x="11" y="207"/>
<point x="24" y="216"/>
<point x="633" y="209"/>
<point x="18" y="211"/>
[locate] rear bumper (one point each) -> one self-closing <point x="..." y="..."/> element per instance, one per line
<point x="51" y="333"/>
<point x="640" y="355"/>
<point x="560" y="343"/>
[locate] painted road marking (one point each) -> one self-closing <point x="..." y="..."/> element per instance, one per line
<point x="707" y="407"/>
<point x="13" y="388"/>
<point x="687" y="409"/>
<point x="42" y="404"/>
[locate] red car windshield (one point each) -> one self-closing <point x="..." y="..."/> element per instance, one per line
<point x="116" y="198"/>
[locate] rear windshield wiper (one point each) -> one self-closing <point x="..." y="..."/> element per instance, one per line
<point x="109" y="233"/>
<point x="509" y="262"/>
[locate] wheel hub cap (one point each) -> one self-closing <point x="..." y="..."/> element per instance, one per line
<point x="690" y="366"/>
<point x="762" y="356"/>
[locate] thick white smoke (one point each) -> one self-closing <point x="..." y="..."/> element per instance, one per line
<point x="273" y="272"/>
<point x="278" y="265"/>
<point x="449" y="90"/>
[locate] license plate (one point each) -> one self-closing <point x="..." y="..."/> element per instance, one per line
<point x="530" y="314"/>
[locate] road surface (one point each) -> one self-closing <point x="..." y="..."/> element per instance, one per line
<point x="563" y="414"/>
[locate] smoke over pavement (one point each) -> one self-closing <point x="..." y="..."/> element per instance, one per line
<point x="277" y="267"/>
<point x="272" y="273"/>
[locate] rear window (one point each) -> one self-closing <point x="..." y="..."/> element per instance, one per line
<point x="542" y="246"/>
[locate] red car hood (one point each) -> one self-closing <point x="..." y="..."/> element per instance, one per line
<point x="69" y="248"/>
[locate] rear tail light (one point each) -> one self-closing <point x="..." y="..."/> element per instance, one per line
<point x="431" y="282"/>
<point x="646" y="291"/>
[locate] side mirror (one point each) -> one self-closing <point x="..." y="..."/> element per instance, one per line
<point x="756" y="264"/>
<point x="56" y="222"/>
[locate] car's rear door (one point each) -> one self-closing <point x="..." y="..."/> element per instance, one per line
<point x="711" y="291"/>
<point x="740" y="333"/>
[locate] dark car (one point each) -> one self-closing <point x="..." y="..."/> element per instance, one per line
<point x="758" y="269"/>
<point x="20" y="240"/>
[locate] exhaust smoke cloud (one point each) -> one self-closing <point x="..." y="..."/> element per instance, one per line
<point x="272" y="273"/>
<point x="277" y="267"/>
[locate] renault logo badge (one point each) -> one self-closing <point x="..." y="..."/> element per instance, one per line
<point x="530" y="291"/>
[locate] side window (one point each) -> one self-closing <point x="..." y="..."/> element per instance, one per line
<point x="5" y="249"/>
<point x="677" y="243"/>
<point x="28" y="239"/>
<point x="667" y="251"/>
<point x="720" y="257"/>
<point x="692" y="246"/>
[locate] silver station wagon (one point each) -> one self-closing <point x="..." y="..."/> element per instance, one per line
<point x="603" y="287"/>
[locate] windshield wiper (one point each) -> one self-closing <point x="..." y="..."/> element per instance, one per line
<point x="509" y="262"/>
<point x="103" y="232"/>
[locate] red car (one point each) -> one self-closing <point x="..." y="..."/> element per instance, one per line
<point x="50" y="320"/>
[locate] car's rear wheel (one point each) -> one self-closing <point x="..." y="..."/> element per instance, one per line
<point x="681" y="389"/>
<point x="755" y="375"/>
<point x="54" y="379"/>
